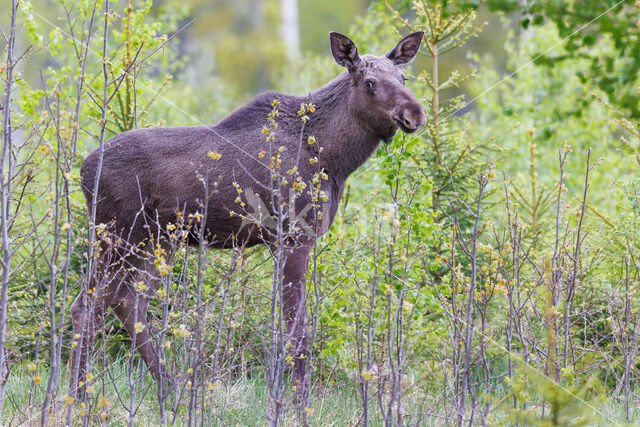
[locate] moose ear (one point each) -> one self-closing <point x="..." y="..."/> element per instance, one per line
<point x="406" y="50"/>
<point x="344" y="51"/>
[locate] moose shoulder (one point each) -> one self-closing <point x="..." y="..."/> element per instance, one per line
<point x="154" y="175"/>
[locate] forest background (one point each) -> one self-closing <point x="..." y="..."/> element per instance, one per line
<point x="483" y="270"/>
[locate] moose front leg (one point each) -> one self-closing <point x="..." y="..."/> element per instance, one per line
<point x="295" y="310"/>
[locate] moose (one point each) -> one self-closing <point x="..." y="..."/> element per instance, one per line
<point x="156" y="174"/>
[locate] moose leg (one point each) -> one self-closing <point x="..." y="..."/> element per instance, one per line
<point x="295" y="310"/>
<point x="131" y="308"/>
<point x="86" y="317"/>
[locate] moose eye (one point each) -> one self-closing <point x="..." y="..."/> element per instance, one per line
<point x="368" y="84"/>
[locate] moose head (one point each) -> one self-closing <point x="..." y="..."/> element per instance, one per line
<point x="379" y="100"/>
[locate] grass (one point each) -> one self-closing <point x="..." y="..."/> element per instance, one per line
<point x="240" y="402"/>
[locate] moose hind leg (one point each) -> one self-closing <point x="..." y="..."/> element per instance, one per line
<point x="131" y="308"/>
<point x="86" y="317"/>
<point x="130" y="304"/>
<point x="87" y="313"/>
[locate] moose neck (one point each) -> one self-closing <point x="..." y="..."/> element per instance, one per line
<point x="346" y="143"/>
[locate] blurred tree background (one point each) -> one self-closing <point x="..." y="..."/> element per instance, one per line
<point x="239" y="45"/>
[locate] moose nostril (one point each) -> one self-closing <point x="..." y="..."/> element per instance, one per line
<point x="408" y="123"/>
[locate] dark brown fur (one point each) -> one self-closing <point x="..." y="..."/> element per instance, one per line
<point x="159" y="168"/>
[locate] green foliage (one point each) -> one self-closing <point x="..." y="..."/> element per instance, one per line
<point x="553" y="104"/>
<point x="568" y="402"/>
<point x="614" y="71"/>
